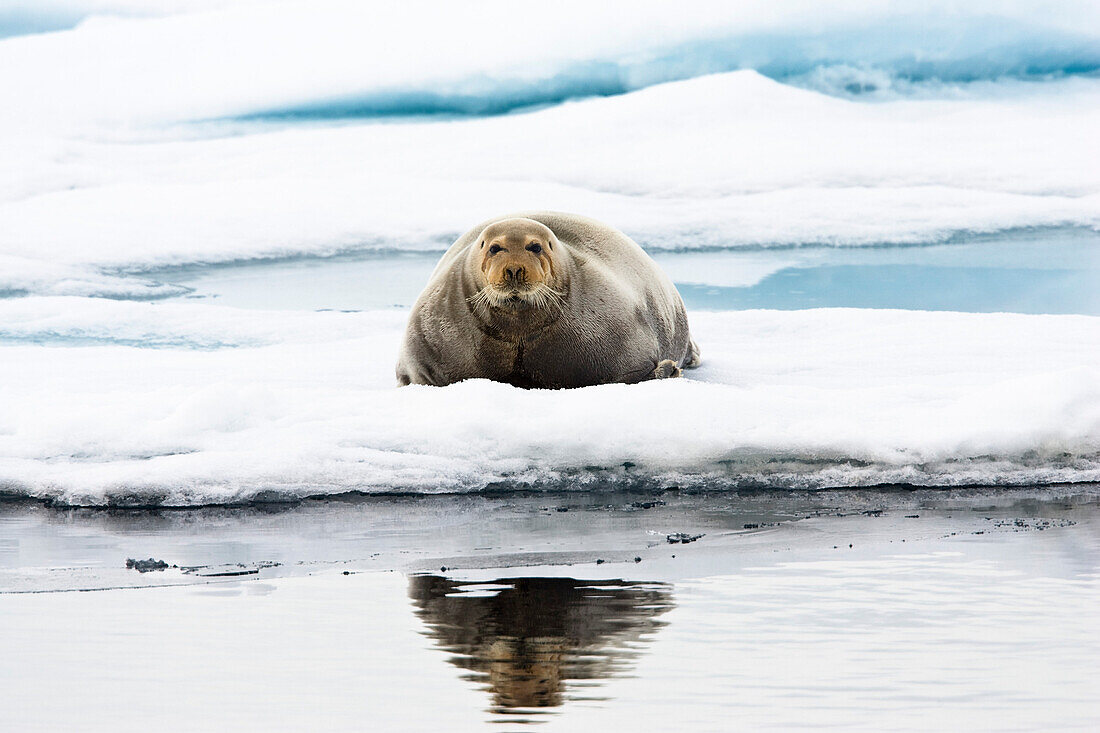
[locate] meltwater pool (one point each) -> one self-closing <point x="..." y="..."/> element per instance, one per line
<point x="1050" y="271"/>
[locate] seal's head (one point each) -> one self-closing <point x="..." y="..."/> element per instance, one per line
<point x="517" y="263"/>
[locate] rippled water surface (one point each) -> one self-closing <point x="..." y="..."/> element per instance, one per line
<point x="976" y="613"/>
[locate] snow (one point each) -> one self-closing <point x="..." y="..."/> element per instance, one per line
<point x="136" y="138"/>
<point x="670" y="165"/>
<point x="289" y="404"/>
<point x="719" y="132"/>
<point x="339" y="56"/>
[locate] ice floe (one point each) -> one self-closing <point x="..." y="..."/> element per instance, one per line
<point x="731" y="160"/>
<point x="304" y="404"/>
<point x="138" y="138"/>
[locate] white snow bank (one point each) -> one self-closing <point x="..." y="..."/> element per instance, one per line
<point x="722" y="161"/>
<point x="785" y="399"/>
<point x="326" y="57"/>
<point x="105" y="171"/>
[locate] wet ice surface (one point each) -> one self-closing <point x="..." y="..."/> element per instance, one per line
<point x="970" y="609"/>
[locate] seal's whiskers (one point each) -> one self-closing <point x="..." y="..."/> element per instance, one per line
<point x="540" y="295"/>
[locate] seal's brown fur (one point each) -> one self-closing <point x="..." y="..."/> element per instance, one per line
<point x="546" y="299"/>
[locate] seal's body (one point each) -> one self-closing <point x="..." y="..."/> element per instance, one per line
<point x="548" y="300"/>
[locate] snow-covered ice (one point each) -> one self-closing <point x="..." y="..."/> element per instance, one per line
<point x="193" y="133"/>
<point x="669" y="165"/>
<point x="245" y="404"/>
<point x="115" y="158"/>
<point x="333" y="57"/>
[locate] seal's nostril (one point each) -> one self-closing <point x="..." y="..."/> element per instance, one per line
<point x="513" y="273"/>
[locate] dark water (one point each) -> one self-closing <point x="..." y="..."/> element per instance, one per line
<point x="879" y="609"/>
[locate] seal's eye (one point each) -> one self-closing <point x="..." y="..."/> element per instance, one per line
<point x="494" y="249"/>
<point x="535" y="247"/>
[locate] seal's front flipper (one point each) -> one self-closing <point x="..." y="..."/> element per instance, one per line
<point x="666" y="369"/>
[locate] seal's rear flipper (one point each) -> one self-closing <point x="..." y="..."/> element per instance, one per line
<point x="666" y="369"/>
<point x="693" y="357"/>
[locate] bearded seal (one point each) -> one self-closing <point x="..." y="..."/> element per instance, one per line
<point x="546" y="300"/>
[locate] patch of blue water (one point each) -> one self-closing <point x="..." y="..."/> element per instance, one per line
<point x="908" y="287"/>
<point x="368" y="281"/>
<point x="1024" y="272"/>
<point x="1037" y="272"/>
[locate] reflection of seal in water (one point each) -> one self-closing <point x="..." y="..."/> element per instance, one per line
<point x="525" y="637"/>
<point x="546" y="300"/>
